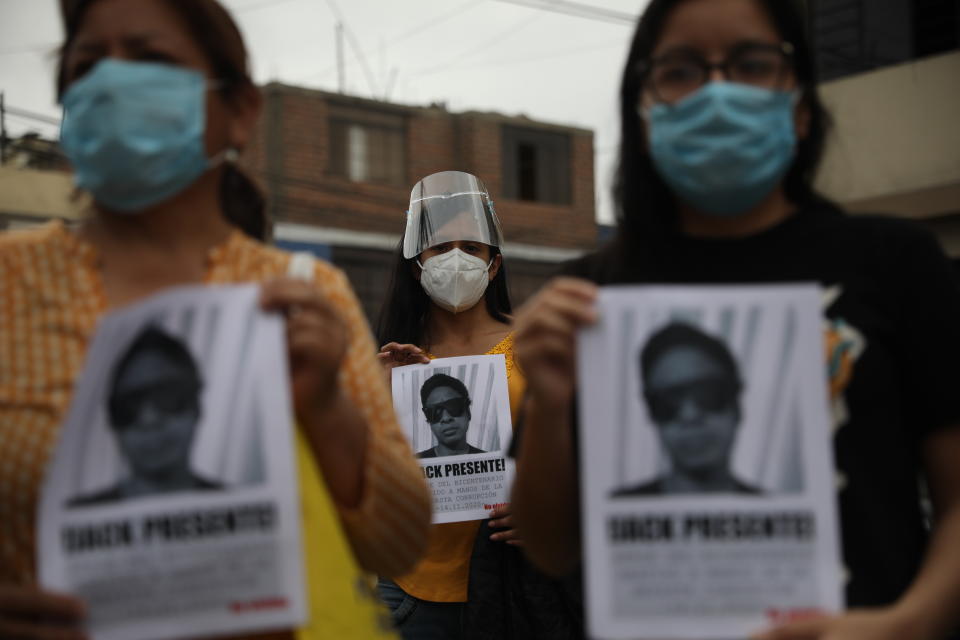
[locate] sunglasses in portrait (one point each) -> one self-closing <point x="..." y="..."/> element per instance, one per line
<point x="709" y="395"/>
<point x="455" y="407"/>
<point x="168" y="398"/>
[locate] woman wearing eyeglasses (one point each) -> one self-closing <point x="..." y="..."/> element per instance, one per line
<point x="449" y="297"/>
<point x="722" y="130"/>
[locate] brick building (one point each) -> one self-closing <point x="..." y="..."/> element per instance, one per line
<point x="337" y="171"/>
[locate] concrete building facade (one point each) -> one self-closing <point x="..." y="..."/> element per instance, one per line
<point x="893" y="89"/>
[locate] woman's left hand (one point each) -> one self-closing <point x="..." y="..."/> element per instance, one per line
<point x="317" y="341"/>
<point x="865" y="624"/>
<point x="500" y="518"/>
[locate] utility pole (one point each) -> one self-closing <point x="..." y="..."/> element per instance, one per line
<point x="341" y="72"/>
<point x="3" y="130"/>
<point x="390" y="82"/>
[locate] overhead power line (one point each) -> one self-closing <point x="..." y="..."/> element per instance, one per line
<point x="433" y="22"/>
<point x="488" y="43"/>
<point x="518" y="59"/>
<point x="258" y="5"/>
<point x="30" y="48"/>
<point x="578" y="10"/>
<point x="33" y="115"/>
<point x="436" y="21"/>
<point x="355" y="45"/>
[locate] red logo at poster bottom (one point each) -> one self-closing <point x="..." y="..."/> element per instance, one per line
<point x="781" y="616"/>
<point x="259" y="605"/>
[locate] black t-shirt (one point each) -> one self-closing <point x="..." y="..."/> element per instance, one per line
<point x="892" y="317"/>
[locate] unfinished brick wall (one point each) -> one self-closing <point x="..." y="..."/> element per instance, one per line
<point x="290" y="157"/>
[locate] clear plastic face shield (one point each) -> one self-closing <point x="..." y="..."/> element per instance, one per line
<point x="446" y="207"/>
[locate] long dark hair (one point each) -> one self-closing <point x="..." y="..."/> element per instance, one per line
<point x="217" y="35"/>
<point x="405" y="314"/>
<point x="646" y="210"/>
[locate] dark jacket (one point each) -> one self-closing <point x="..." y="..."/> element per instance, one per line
<point x="508" y="599"/>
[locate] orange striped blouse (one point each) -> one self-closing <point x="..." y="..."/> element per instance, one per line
<point x="50" y="299"/>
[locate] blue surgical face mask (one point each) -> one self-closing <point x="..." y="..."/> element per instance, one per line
<point x="724" y="148"/>
<point x="133" y="132"/>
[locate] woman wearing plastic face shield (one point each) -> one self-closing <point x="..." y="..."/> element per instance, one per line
<point x="157" y="98"/>
<point x="722" y="131"/>
<point x="448" y="297"/>
<point x="449" y="290"/>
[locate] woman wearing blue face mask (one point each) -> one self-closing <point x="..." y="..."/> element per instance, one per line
<point x="139" y="129"/>
<point x="722" y="130"/>
<point x="157" y="102"/>
<point x="448" y="297"/>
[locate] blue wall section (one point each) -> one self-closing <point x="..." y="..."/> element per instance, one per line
<point x="323" y="251"/>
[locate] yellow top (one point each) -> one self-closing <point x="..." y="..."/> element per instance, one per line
<point x="51" y="297"/>
<point x="441" y="575"/>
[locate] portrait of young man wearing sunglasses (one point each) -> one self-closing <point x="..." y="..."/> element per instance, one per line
<point x="691" y="388"/>
<point x="153" y="409"/>
<point x="446" y="406"/>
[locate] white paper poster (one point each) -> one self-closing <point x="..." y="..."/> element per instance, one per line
<point x="171" y="506"/>
<point x="456" y="414"/>
<point x="708" y="491"/>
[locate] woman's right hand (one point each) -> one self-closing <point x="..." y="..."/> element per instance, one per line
<point x="543" y="343"/>
<point x="27" y="613"/>
<point x="394" y="354"/>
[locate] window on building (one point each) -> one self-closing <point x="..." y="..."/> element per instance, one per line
<point x="367" y="146"/>
<point x="536" y="165"/>
<point x="936" y="26"/>
<point x="854" y="36"/>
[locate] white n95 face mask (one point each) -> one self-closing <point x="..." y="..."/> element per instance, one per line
<point x="455" y="280"/>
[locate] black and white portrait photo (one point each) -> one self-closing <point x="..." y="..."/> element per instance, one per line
<point x="446" y="406"/>
<point x="153" y="408"/>
<point x="691" y="390"/>
<point x="453" y="406"/>
<point x="705" y="402"/>
<point x="177" y="409"/>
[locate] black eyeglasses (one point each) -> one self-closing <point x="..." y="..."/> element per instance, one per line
<point x="675" y="75"/>
<point x="169" y="398"/>
<point x="455" y="407"/>
<point x="710" y="395"/>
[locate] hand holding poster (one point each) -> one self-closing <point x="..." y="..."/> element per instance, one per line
<point x="709" y="504"/>
<point x="456" y="413"/>
<point x="170" y="506"/>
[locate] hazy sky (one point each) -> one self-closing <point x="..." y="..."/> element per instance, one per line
<point x="472" y="54"/>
